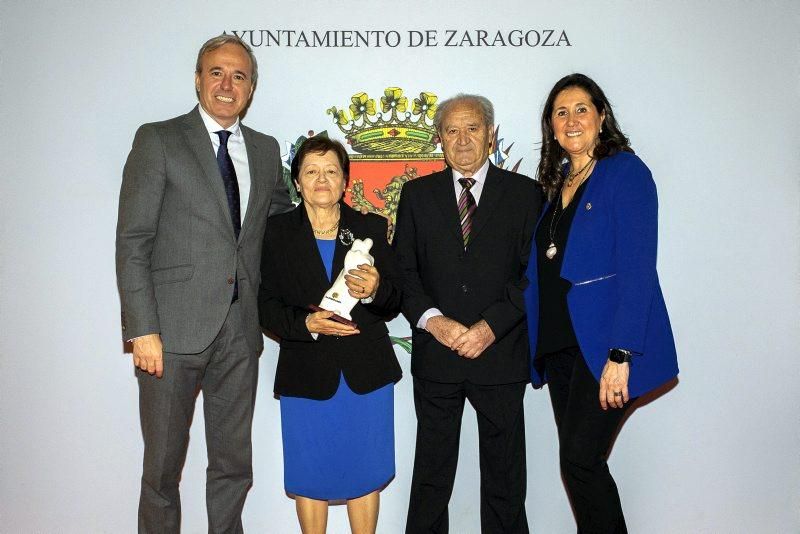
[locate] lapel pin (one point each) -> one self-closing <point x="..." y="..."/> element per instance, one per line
<point x="588" y="206"/>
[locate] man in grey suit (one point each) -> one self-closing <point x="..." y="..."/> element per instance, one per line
<point x="196" y="193"/>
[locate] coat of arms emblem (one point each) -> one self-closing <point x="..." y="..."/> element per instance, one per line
<point x="391" y="140"/>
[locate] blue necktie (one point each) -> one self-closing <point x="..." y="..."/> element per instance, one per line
<point x="228" y="173"/>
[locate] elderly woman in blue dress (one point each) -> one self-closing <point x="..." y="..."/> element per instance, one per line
<point x="598" y="326"/>
<point x="335" y="381"/>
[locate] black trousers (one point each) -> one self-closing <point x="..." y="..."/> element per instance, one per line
<point x="226" y="372"/>
<point x="585" y="432"/>
<point x="501" y="438"/>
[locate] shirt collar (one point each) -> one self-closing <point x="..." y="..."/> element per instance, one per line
<point x="213" y="126"/>
<point x="479" y="176"/>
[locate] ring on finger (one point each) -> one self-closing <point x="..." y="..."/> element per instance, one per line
<point x="617" y="393"/>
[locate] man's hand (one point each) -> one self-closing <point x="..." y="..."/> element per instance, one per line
<point x="474" y="341"/>
<point x="148" y="354"/>
<point x="390" y="228"/>
<point x="444" y="329"/>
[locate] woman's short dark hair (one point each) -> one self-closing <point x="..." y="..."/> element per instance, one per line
<point x="551" y="165"/>
<point x="320" y="145"/>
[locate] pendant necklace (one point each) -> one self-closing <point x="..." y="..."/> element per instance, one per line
<point x="571" y="176"/>
<point x="552" y="249"/>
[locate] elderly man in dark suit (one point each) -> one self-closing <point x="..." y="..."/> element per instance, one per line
<point x="463" y="240"/>
<point x="196" y="193"/>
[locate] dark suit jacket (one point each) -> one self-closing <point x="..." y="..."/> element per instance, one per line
<point x="177" y="255"/>
<point x="484" y="282"/>
<point x="293" y="276"/>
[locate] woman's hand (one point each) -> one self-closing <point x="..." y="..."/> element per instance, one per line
<point x="362" y="282"/>
<point x="319" y="323"/>
<point x="614" y="385"/>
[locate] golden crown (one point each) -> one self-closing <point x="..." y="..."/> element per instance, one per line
<point x="392" y="129"/>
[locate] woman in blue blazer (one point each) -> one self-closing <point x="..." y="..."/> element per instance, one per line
<point x="598" y="326"/>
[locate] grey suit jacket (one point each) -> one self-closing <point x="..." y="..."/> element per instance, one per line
<point x="177" y="254"/>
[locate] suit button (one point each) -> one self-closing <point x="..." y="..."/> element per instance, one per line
<point x="230" y="280"/>
<point x="464" y="288"/>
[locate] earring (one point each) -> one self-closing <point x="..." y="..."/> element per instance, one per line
<point x="601" y="129"/>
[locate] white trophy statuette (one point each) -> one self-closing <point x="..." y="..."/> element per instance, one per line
<point x="337" y="299"/>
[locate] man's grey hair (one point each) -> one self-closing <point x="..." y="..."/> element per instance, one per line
<point x="482" y="103"/>
<point x="221" y="40"/>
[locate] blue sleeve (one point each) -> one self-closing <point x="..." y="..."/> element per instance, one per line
<point x="635" y="219"/>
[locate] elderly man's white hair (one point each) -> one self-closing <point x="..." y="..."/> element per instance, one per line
<point x="482" y="103"/>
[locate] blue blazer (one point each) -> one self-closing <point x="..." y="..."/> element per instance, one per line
<point x="615" y="300"/>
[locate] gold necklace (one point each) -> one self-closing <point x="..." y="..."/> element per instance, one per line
<point x="328" y="231"/>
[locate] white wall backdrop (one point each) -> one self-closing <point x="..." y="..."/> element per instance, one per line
<point x="708" y="93"/>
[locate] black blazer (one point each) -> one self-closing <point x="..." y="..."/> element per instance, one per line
<point x="293" y="276"/>
<point x="484" y="282"/>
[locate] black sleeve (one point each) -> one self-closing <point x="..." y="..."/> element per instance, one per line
<point x="388" y="297"/>
<point x="415" y="301"/>
<point x="285" y="321"/>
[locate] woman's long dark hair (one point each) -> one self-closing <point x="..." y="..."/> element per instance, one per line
<point x="550" y="172"/>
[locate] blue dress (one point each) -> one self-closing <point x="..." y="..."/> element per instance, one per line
<point x="339" y="448"/>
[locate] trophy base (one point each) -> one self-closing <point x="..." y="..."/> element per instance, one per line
<point x="334" y="317"/>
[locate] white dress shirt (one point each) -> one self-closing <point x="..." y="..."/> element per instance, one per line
<point x="238" y="154"/>
<point x="476" y="190"/>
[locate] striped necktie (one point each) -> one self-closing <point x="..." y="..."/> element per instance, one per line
<point x="466" y="208"/>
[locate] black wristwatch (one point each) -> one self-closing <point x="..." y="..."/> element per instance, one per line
<point x="620" y="355"/>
